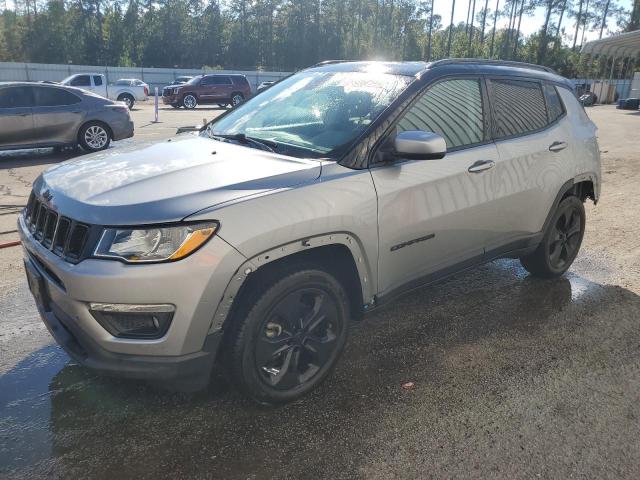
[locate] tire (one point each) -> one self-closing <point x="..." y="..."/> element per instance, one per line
<point x="189" y="101"/>
<point x="236" y="99"/>
<point x="127" y="99"/>
<point x="289" y="339"/>
<point x="561" y="242"/>
<point x="94" y="136"/>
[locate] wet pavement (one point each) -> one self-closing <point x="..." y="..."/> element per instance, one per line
<point x="509" y="371"/>
<point x="514" y="377"/>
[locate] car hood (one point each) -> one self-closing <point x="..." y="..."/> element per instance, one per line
<point x="165" y="182"/>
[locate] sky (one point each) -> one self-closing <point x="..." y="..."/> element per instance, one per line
<point x="529" y="25"/>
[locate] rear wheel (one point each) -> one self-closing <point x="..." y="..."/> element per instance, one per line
<point x="291" y="337"/>
<point x="190" y="101"/>
<point x="561" y="242"/>
<point x="128" y="100"/>
<point x="94" y="136"/>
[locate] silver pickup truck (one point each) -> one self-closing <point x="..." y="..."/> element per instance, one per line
<point x="129" y="93"/>
<point x="255" y="241"/>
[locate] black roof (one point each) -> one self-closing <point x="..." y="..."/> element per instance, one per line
<point x="444" y="67"/>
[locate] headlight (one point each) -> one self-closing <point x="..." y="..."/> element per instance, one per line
<point x="176" y="90"/>
<point x="154" y="244"/>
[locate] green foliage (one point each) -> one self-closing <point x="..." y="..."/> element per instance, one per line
<point x="290" y="34"/>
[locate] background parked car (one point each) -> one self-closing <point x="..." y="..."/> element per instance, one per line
<point x="207" y="89"/>
<point x="96" y="83"/>
<point x="43" y="115"/>
<point x="181" y="80"/>
<point x="264" y="85"/>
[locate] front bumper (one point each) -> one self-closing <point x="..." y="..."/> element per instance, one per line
<point x="171" y="99"/>
<point x="193" y="285"/>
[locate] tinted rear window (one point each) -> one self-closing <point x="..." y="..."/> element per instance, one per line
<point x="81" y="81"/>
<point x="15" y="97"/>
<point x="97" y="80"/>
<point x="519" y="107"/>
<point x="554" y="104"/>
<point x="53" y="97"/>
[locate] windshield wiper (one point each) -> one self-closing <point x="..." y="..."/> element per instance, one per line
<point x="242" y="138"/>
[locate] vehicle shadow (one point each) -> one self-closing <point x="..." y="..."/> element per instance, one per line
<point x="477" y="334"/>
<point x="36" y="156"/>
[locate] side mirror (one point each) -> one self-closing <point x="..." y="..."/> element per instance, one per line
<point x="419" y="145"/>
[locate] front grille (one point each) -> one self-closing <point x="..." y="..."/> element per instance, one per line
<point x="166" y="92"/>
<point x="62" y="235"/>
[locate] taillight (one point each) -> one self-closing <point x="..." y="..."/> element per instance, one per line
<point x="146" y="91"/>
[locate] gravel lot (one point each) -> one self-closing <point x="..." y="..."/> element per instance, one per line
<point x="514" y="377"/>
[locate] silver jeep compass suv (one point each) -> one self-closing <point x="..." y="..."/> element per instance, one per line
<point x="256" y="240"/>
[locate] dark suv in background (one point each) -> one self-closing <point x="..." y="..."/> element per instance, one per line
<point x="218" y="89"/>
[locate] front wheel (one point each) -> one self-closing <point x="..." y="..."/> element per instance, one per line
<point x="94" y="136"/>
<point x="561" y="241"/>
<point x="190" y="102"/>
<point x="291" y="337"/>
<point x="236" y="99"/>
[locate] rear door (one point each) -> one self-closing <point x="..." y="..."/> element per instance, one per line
<point x="531" y="143"/>
<point x="436" y="215"/>
<point x="16" y="116"/>
<point x="57" y="114"/>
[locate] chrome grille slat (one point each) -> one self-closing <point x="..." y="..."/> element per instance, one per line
<point x="65" y="237"/>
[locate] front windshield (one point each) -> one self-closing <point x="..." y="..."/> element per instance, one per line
<point x="313" y="114"/>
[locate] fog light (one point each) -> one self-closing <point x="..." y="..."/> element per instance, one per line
<point x="133" y="321"/>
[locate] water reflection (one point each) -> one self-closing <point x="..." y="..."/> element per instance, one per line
<point x="59" y="418"/>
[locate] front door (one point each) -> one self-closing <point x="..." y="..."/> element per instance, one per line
<point x="435" y="215"/>
<point x="16" y="118"/>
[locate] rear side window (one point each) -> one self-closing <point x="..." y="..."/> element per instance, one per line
<point x="555" y="109"/>
<point x="97" y="80"/>
<point x="451" y="108"/>
<point x="53" y="97"/>
<point x="81" y="81"/>
<point x="16" y="97"/>
<point x="221" y="81"/>
<point x="240" y="81"/>
<point x="519" y="107"/>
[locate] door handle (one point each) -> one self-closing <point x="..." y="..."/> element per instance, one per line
<point x="557" y="146"/>
<point x="481" y="166"/>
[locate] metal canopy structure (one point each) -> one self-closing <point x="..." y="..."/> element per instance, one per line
<point x="618" y="46"/>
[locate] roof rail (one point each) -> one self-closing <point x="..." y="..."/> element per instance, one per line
<point x="481" y="61"/>
<point x="329" y="62"/>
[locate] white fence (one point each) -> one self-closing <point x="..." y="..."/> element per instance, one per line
<point x="155" y="77"/>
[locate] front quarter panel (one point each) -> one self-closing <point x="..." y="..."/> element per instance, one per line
<point x="339" y="208"/>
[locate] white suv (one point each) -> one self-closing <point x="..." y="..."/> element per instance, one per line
<point x="257" y="239"/>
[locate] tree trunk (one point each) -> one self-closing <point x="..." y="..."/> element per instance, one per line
<point x="604" y="17"/>
<point x="470" y="45"/>
<point x="515" y="45"/>
<point x="430" y="32"/>
<point x="579" y="17"/>
<point x="542" y="50"/>
<point x="585" y="21"/>
<point x="453" y="9"/>
<point x="466" y="25"/>
<point x="504" y="48"/>
<point x="558" y="40"/>
<point x="484" y="22"/>
<point x="493" y="34"/>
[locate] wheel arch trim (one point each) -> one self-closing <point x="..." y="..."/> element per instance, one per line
<point x="251" y="265"/>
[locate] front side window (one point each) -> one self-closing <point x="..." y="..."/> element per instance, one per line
<point x="315" y="113"/>
<point x="53" y="97"/>
<point x="451" y="108"/>
<point x="81" y="81"/>
<point x="16" y="97"/>
<point x="518" y="106"/>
